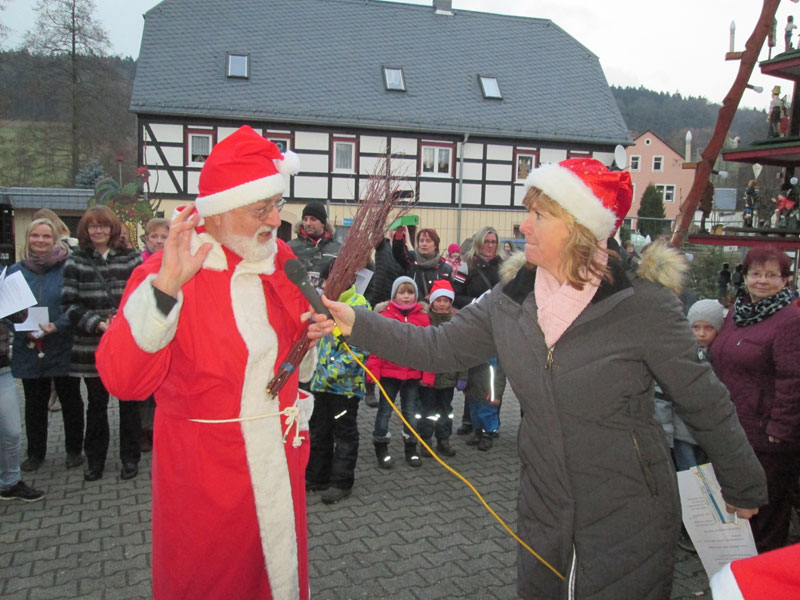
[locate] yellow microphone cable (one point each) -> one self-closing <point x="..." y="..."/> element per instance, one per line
<point x="448" y="467"/>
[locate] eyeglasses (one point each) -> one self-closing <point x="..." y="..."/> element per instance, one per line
<point x="97" y="226"/>
<point x="760" y="275"/>
<point x="494" y="242"/>
<point x="266" y="209"/>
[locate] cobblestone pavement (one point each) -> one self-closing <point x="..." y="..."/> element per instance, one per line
<point x="403" y="534"/>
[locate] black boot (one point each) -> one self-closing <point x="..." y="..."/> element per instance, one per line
<point x="382" y="454"/>
<point x="412" y="458"/>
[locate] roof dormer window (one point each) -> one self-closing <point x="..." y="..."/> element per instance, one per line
<point x="490" y="87"/>
<point x="393" y="79"/>
<point x="239" y="66"/>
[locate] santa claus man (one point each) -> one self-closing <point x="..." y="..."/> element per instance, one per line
<point x="204" y="325"/>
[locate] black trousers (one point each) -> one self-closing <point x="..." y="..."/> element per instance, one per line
<point x="37" y="397"/>
<point x="771" y="525"/>
<point x="97" y="434"/>
<point x="333" y="429"/>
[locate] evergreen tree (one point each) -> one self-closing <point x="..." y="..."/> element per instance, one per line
<point x="89" y="174"/>
<point x="652" y="205"/>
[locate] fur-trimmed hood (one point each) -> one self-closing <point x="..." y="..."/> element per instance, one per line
<point x="329" y="228"/>
<point x="661" y="264"/>
<point x="665" y="265"/>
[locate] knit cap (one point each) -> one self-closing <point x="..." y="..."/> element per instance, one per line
<point x="707" y="310"/>
<point x="316" y="210"/>
<point x="441" y="287"/>
<point x="401" y="280"/>
<point x="453" y="248"/>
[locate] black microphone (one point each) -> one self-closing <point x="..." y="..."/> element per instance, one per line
<point x="298" y="275"/>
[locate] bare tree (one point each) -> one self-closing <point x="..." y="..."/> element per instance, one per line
<point x="67" y="28"/>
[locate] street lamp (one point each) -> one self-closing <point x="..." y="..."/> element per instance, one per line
<point x="120" y="158"/>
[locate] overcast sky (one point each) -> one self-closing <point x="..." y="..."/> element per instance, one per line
<point x="671" y="46"/>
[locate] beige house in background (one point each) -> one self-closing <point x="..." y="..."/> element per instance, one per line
<point x="652" y="160"/>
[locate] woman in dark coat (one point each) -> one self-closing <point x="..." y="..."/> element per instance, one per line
<point x="42" y="358"/>
<point x="425" y="264"/>
<point x="478" y="274"/>
<point x="94" y="280"/>
<point x="582" y="345"/>
<point x="757" y="355"/>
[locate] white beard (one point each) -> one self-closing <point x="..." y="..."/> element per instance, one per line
<point x="249" y="248"/>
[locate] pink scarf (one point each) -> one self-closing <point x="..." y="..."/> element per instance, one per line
<point x="560" y="304"/>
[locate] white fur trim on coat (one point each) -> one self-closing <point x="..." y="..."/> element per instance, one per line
<point x="241" y="195"/>
<point x="151" y="330"/>
<point x="263" y="438"/>
<point x="577" y="198"/>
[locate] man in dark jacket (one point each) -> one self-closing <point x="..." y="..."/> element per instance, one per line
<point x="314" y="245"/>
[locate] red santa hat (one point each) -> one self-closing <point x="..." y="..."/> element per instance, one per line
<point x="599" y="199"/>
<point x="242" y="169"/>
<point x="441" y="287"/>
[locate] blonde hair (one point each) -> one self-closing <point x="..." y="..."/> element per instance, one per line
<point x="478" y="240"/>
<point x="61" y="228"/>
<point x="26" y="249"/>
<point x="579" y="253"/>
<point x="154" y="223"/>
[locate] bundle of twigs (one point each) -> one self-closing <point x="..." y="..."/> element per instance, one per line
<point x="379" y="202"/>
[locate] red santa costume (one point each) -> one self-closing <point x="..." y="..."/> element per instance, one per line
<point x="229" y="515"/>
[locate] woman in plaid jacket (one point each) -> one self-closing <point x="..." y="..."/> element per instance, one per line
<point x="94" y="280"/>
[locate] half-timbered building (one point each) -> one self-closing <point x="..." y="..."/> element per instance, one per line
<point x="464" y="102"/>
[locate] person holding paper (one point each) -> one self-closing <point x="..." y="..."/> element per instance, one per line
<point x="757" y="355"/>
<point x="41" y="356"/>
<point x="582" y="343"/>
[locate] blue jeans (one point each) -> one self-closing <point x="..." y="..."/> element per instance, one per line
<point x="409" y="406"/>
<point x="436" y="410"/>
<point x="484" y="416"/>
<point x="10" y="431"/>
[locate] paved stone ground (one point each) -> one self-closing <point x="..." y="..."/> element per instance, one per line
<point x="403" y="534"/>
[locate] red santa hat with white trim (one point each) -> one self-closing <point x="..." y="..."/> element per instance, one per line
<point x="242" y="169"/>
<point x="441" y="287"/>
<point x="598" y="198"/>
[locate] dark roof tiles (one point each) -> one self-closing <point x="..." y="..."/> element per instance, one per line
<point x="319" y="62"/>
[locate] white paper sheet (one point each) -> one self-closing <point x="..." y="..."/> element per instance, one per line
<point x="15" y="295"/>
<point x="37" y="315"/>
<point x="717" y="535"/>
<point x="363" y="277"/>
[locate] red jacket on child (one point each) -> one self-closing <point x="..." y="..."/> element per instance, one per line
<point x="384" y="368"/>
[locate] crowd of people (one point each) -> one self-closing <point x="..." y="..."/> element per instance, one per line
<point x="582" y="332"/>
<point x="79" y="282"/>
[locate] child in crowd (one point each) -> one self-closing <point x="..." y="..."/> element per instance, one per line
<point x="394" y="378"/>
<point x="436" y="410"/>
<point x="338" y="386"/>
<point x="705" y="318"/>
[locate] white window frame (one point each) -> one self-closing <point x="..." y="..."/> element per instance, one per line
<point x="667" y="191"/>
<point x="638" y="159"/>
<point x="660" y="168"/>
<point x="534" y="156"/>
<point x="488" y="85"/>
<point x="390" y="84"/>
<point x="278" y="140"/>
<point x="192" y="161"/>
<point x="341" y="143"/>
<point x="238" y="74"/>
<point x="436" y="172"/>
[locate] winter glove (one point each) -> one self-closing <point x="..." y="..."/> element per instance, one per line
<point x="461" y="385"/>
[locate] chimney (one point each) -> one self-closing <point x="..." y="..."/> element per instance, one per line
<point x="443" y="7"/>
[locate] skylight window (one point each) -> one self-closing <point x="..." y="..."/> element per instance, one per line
<point x="490" y="87"/>
<point x="239" y="66"/>
<point x="394" y="79"/>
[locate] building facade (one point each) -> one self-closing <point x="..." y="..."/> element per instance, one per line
<point x="653" y="161"/>
<point x="440" y="92"/>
